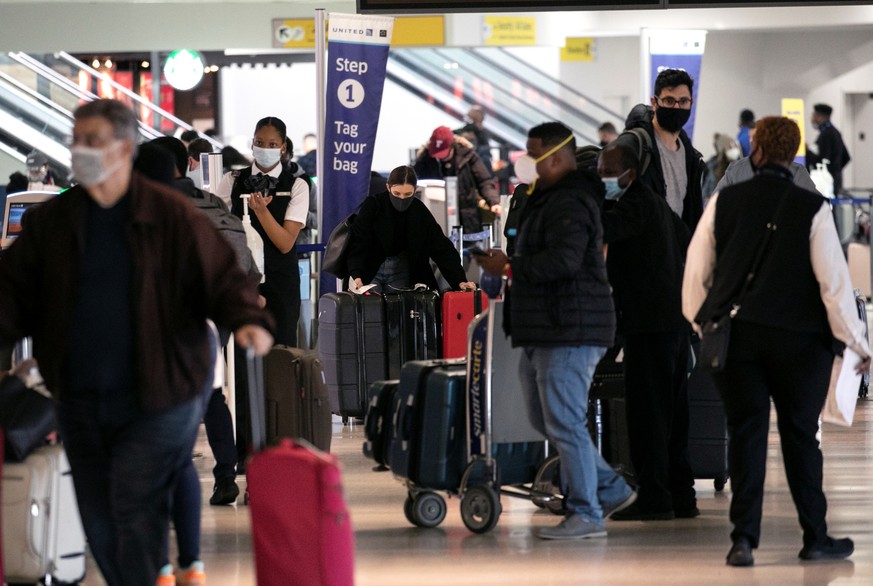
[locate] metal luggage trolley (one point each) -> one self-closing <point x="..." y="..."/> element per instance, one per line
<point x="492" y="373"/>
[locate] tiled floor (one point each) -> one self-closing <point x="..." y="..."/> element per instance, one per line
<point x="390" y="552"/>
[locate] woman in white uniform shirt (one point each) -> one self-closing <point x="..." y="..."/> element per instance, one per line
<point x="279" y="203"/>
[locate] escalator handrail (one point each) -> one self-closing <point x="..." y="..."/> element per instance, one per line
<point x="57" y="78"/>
<point x="133" y="96"/>
<point x="35" y="95"/>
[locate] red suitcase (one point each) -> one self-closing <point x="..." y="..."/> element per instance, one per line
<point x="459" y="309"/>
<point x="301" y="531"/>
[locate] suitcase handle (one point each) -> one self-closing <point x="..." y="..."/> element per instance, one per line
<point x="257" y="402"/>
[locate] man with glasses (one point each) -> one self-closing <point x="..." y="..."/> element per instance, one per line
<point x="677" y="168"/>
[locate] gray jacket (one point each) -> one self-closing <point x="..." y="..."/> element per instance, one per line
<point x="741" y="170"/>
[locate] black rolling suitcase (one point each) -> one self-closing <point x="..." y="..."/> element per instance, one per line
<point x="413" y="325"/>
<point x="378" y="423"/>
<point x="351" y="346"/>
<point x="297" y="404"/>
<point x="707" y="430"/>
<point x="607" y="417"/>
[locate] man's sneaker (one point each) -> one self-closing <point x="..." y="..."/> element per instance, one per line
<point x="637" y="513"/>
<point x="573" y="527"/>
<point x="832" y="549"/>
<point x="611" y="508"/>
<point x="166" y="577"/>
<point x="224" y="492"/>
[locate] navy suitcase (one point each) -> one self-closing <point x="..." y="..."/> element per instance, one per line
<point x="413" y="328"/>
<point x="707" y="430"/>
<point x="441" y="455"/>
<point x="378" y="427"/>
<point x="351" y="346"/>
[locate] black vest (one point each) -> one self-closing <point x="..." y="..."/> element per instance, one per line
<point x="784" y="293"/>
<point x="274" y="260"/>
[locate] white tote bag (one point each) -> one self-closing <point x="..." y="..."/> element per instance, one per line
<point x="839" y="407"/>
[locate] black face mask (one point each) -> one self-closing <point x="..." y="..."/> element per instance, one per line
<point x="400" y="204"/>
<point x="672" y="119"/>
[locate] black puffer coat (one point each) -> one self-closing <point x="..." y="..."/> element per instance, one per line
<point x="560" y="295"/>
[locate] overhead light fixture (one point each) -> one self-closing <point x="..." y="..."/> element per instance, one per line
<point x="108" y="63"/>
<point x="96" y="63"/>
<point x="145" y="64"/>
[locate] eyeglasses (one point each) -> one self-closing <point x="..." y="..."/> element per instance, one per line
<point x="671" y="102"/>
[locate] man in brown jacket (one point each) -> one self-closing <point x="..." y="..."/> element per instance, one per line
<point x="114" y="281"/>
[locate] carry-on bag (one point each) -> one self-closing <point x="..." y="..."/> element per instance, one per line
<point x="351" y="347"/>
<point x="458" y="309"/>
<point x="297" y="404"/>
<point x="707" y="430"/>
<point x="378" y="423"/>
<point x="301" y="530"/>
<point x="43" y="539"/>
<point x="413" y="327"/>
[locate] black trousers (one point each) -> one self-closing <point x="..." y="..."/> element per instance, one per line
<point x="794" y="369"/>
<point x="281" y="289"/>
<point x="656" y="399"/>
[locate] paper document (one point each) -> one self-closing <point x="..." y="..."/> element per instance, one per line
<point x="843" y="393"/>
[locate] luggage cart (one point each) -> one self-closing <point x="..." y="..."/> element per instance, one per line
<point x="498" y="436"/>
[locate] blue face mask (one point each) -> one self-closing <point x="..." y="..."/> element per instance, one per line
<point x="613" y="190"/>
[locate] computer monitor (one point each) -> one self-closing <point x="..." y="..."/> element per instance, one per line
<point x="16" y="206"/>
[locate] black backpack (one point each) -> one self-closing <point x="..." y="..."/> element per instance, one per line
<point x="640" y="140"/>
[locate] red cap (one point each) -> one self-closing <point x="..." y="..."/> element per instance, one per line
<point x="441" y="142"/>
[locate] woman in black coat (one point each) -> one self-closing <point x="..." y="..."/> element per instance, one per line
<point x="394" y="237"/>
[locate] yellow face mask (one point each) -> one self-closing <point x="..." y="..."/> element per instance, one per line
<point x="526" y="166"/>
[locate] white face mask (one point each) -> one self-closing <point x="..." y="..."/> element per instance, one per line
<point x="526" y="169"/>
<point x="89" y="164"/>
<point x="194" y="175"/>
<point x="266" y="158"/>
<point x="733" y="153"/>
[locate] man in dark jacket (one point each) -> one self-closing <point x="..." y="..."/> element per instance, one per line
<point x="447" y="155"/>
<point x="114" y="280"/>
<point x="646" y="256"/>
<point x="561" y="313"/>
<point x="830" y="146"/>
<point x="677" y="168"/>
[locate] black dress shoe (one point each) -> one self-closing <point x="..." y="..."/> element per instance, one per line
<point x="637" y="513"/>
<point x="740" y="554"/>
<point x="224" y="493"/>
<point x="832" y="549"/>
<point x="687" y="512"/>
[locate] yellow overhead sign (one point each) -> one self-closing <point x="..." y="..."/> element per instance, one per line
<point x="510" y="30"/>
<point x="419" y="31"/>
<point x="793" y="108"/>
<point x="578" y="49"/>
<point x="294" y="33"/>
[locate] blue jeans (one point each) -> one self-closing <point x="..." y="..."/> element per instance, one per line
<point x="555" y="382"/>
<point x="125" y="465"/>
<point x="393" y="274"/>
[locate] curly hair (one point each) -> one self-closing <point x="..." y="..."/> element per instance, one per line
<point x="778" y="138"/>
<point x="670" y="78"/>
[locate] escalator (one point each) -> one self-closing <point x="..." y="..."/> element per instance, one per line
<point x="515" y="95"/>
<point x="38" y="95"/>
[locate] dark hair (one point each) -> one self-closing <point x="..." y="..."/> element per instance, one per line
<point x="607" y="127"/>
<point x="403" y="175"/>
<point x="670" y="78"/>
<point x="289" y="146"/>
<point x="175" y="147"/>
<point x="778" y="138"/>
<point x="273" y="123"/>
<point x="198" y="147"/>
<point x="747" y="118"/>
<point x="155" y="162"/>
<point x="17" y="182"/>
<point x="189" y="135"/>
<point x="119" y="115"/>
<point x="627" y="155"/>
<point x="552" y="134"/>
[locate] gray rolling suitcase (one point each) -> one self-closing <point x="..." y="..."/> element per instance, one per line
<point x="297" y="403"/>
<point x="43" y="539"/>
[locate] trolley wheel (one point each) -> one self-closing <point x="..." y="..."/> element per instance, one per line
<point x="544" y="482"/>
<point x="719" y="484"/>
<point x="480" y="508"/>
<point x="428" y="509"/>
<point x="407" y="509"/>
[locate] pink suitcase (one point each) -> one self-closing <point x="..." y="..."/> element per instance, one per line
<point x="301" y="531"/>
<point x="459" y="309"/>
